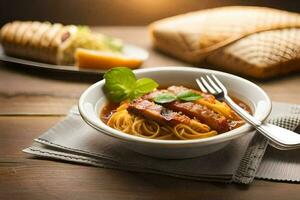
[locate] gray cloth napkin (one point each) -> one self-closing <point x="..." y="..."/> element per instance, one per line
<point x="240" y="161"/>
<point x="282" y="165"/>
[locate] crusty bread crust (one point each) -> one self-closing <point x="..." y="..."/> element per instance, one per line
<point x="209" y="35"/>
<point x="41" y="41"/>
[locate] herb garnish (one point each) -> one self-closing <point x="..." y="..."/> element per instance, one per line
<point x="167" y="97"/>
<point x="121" y="84"/>
<point x="188" y="95"/>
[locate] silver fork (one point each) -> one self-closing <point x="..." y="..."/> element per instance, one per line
<point x="279" y="138"/>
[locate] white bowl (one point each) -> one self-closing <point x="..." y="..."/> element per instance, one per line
<point x="93" y="99"/>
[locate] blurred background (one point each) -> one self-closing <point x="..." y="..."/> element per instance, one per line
<point x="117" y="12"/>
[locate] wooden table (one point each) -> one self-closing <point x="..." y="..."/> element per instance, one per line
<point x="31" y="101"/>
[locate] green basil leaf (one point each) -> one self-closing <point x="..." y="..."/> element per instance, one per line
<point x="188" y="95"/>
<point x="165" y="98"/>
<point x="143" y="86"/>
<point x="119" y="83"/>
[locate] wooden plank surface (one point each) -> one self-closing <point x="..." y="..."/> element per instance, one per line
<point x="31" y="101"/>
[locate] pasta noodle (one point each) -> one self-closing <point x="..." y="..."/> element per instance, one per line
<point x="148" y="125"/>
<point x="123" y="121"/>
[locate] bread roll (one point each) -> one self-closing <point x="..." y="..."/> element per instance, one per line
<point x="50" y="43"/>
<point x="47" y="52"/>
<point x="227" y="38"/>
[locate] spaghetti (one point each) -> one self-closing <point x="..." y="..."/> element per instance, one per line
<point x="145" y="118"/>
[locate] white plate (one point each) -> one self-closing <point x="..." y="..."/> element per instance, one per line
<point x="93" y="99"/>
<point x="128" y="50"/>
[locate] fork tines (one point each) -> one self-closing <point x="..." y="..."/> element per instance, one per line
<point x="210" y="84"/>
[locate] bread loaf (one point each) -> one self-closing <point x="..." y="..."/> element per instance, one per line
<point x="51" y="43"/>
<point x="253" y="41"/>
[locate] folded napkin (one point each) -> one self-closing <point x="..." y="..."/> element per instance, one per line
<point x="240" y="161"/>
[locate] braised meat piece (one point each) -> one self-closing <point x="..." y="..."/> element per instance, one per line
<point x="178" y="89"/>
<point x="201" y="113"/>
<point x="192" y="109"/>
<point x="157" y="113"/>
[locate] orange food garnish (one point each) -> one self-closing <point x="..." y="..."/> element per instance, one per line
<point x="92" y="59"/>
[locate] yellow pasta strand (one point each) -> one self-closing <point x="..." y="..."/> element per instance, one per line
<point x="185" y="132"/>
<point x="145" y="128"/>
<point x="194" y="131"/>
<point x="198" y="127"/>
<point x="122" y="120"/>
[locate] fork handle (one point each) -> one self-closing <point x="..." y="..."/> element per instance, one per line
<point x="281" y="136"/>
<point x="241" y="112"/>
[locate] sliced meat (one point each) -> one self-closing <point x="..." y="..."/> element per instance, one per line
<point x="157" y="113"/>
<point x="151" y="95"/>
<point x="194" y="110"/>
<point x="201" y="113"/>
<point x="177" y="90"/>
